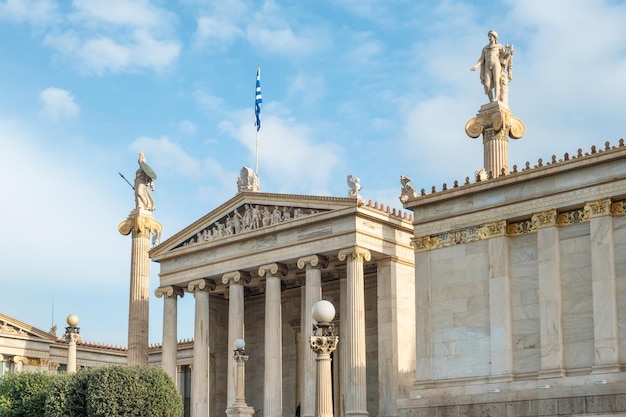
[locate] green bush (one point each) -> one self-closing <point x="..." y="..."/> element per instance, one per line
<point x="24" y="394"/>
<point x="124" y="391"/>
<point x="116" y="391"/>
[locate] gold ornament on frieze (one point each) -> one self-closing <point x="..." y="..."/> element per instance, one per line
<point x="618" y="208"/>
<point x="599" y="207"/>
<point x="570" y="217"/>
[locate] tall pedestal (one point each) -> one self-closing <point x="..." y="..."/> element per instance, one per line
<point x="496" y="123"/>
<point x="141" y="223"/>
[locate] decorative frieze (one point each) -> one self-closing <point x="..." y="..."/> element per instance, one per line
<point x="599" y="207"/>
<point x="247" y="218"/>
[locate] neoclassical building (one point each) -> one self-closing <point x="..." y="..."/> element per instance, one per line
<point x="256" y="265"/>
<point x="521" y="291"/>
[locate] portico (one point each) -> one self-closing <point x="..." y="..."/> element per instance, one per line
<point x="259" y="280"/>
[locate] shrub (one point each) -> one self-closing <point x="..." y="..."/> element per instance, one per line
<point x="23" y="394"/>
<point x="124" y="391"/>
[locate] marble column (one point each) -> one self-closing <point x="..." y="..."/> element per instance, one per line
<point x="343" y="364"/>
<point x="356" y="394"/>
<point x="141" y="224"/>
<point x="550" y="307"/>
<point x="235" y="281"/>
<point x="170" y="320"/>
<point x="604" y="287"/>
<point x="312" y="294"/>
<point x="273" y="378"/>
<point x="201" y="355"/>
<point x="500" y="310"/>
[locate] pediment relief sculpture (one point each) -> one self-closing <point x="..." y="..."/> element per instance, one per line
<point x="246" y="218"/>
<point x="6" y="328"/>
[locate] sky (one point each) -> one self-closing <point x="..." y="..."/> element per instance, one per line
<point x="375" y="89"/>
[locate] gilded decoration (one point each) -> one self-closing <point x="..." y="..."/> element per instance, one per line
<point x="246" y="218"/>
<point x="599" y="207"/>
<point x="356" y="254"/>
<point x="140" y="226"/>
<point x="618" y="208"/>
<point x="570" y="217"/>
<point x="503" y="228"/>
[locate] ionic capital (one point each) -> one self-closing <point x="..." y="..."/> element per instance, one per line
<point x="273" y="269"/>
<point x="312" y="261"/>
<point x="169" y="291"/>
<point x="140" y="225"/>
<point x="356" y="254"/>
<point x="235" y="277"/>
<point x="598" y="208"/>
<point x="545" y="218"/>
<point x="201" y="285"/>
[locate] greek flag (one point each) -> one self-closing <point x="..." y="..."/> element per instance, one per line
<point x="258" y="99"/>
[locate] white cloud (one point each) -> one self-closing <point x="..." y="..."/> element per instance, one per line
<point x="213" y="32"/>
<point x="134" y="14"/>
<point x="116" y="36"/>
<point x="101" y="54"/>
<point x="57" y="104"/>
<point x="307" y="166"/>
<point x="31" y="11"/>
<point x="169" y="156"/>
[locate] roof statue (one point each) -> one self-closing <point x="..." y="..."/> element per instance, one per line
<point x="248" y="180"/>
<point x="144" y="179"/>
<point x="355" y="186"/>
<point x="496" y="68"/>
<point x="408" y="191"/>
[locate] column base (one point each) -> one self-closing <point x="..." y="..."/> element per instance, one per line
<point x="363" y="413"/>
<point x="608" y="368"/>
<point x="239" y="411"/>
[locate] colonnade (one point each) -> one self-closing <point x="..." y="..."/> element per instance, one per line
<point x="353" y="387"/>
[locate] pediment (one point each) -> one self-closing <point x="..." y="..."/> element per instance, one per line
<point x="248" y="212"/>
<point x="10" y="327"/>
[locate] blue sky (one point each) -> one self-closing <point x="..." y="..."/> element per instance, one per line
<point x="369" y="88"/>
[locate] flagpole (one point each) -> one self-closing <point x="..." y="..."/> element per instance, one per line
<point x="256" y="168"/>
<point x="258" y="99"/>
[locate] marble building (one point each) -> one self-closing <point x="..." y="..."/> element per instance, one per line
<point x="256" y="265"/>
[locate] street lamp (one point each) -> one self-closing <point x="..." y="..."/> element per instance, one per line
<point x="239" y="408"/>
<point x="72" y="336"/>
<point x="323" y="343"/>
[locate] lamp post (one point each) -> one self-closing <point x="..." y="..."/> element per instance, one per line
<point x="323" y="343"/>
<point x="239" y="408"/>
<point x="72" y="336"/>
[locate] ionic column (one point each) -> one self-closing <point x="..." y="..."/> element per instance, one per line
<point x="141" y="224"/>
<point x="550" y="310"/>
<point x="170" y="318"/>
<point x="604" y="291"/>
<point x="312" y="294"/>
<point x="356" y="395"/>
<point x="235" y="281"/>
<point x="500" y="323"/>
<point x="273" y="378"/>
<point x="200" y="377"/>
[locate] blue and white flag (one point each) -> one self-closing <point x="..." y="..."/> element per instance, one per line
<point x="258" y="99"/>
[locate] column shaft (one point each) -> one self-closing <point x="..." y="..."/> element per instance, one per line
<point x="170" y="318"/>
<point x="356" y="395"/>
<point x="273" y="376"/>
<point x="312" y="294"/>
<point x="200" y="377"/>
<point x="235" y="323"/>
<point x="138" y="313"/>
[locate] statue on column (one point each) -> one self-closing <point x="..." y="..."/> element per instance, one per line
<point x="496" y="68"/>
<point x="144" y="179"/>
